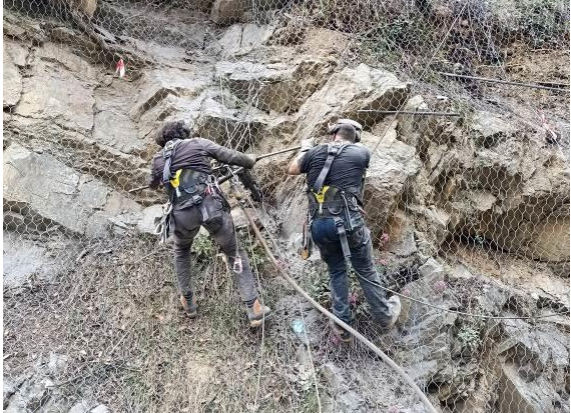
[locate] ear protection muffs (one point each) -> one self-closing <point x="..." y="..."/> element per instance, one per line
<point x="358" y="127"/>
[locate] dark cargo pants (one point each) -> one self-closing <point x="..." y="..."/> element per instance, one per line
<point x="324" y="234"/>
<point x="187" y="223"/>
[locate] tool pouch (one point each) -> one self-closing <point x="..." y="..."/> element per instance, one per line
<point x="212" y="208"/>
<point x="162" y="228"/>
<point x="307" y="245"/>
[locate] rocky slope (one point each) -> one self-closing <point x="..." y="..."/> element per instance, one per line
<point x="458" y="197"/>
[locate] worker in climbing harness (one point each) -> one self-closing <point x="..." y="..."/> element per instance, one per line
<point x="335" y="177"/>
<point x="182" y="166"/>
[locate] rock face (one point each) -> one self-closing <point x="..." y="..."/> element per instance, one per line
<point x="25" y="259"/>
<point x="243" y="38"/>
<point x="395" y="164"/>
<point x="14" y="59"/>
<point x="534" y="373"/>
<point x="227" y="11"/>
<point x="516" y="195"/>
<point x="46" y="193"/>
<point x="275" y="87"/>
<point x="347" y="92"/>
<point x="57" y="96"/>
<point x="77" y="139"/>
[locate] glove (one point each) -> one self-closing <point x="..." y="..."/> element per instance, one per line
<point x="307" y="144"/>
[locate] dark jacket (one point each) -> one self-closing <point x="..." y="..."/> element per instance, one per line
<point x="195" y="154"/>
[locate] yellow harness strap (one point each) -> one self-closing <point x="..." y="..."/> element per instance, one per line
<point x="175" y="182"/>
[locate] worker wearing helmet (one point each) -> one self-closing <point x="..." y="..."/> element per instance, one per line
<point x="335" y="174"/>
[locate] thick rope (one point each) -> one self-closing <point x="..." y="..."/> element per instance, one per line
<point x="407" y="379"/>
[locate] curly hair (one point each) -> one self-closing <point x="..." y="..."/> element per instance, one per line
<point x="172" y="130"/>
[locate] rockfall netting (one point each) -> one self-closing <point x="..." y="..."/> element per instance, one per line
<point x="465" y="108"/>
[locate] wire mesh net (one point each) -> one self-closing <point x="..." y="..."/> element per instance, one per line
<point x="465" y="109"/>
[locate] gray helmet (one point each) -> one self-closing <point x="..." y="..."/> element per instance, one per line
<point x="358" y="127"/>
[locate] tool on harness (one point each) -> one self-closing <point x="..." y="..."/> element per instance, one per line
<point x="307" y="242"/>
<point x="185" y="187"/>
<point x="168" y="155"/>
<point x="162" y="227"/>
<point x="330" y="201"/>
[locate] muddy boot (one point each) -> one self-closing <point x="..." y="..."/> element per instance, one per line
<point x="395" y="307"/>
<point x="258" y="313"/>
<point x="189" y="307"/>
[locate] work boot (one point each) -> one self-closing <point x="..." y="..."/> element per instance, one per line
<point x="395" y="307"/>
<point x="189" y="308"/>
<point x="258" y="313"/>
<point x="341" y="333"/>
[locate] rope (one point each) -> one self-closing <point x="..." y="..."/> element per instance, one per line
<point x="504" y="82"/>
<point x="484" y="316"/>
<point x="407" y="379"/>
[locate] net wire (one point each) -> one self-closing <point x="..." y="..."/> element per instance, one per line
<point x="465" y="109"/>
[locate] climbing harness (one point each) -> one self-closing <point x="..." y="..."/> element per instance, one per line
<point x="187" y="188"/>
<point x="330" y="201"/>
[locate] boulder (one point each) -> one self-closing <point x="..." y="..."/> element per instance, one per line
<point x="392" y="166"/>
<point x="346" y="93"/>
<point x="156" y="85"/>
<point x="230" y="127"/>
<point x="227" y="11"/>
<point x="243" y="38"/>
<point x="49" y="194"/>
<point x="149" y="218"/>
<point x="489" y="129"/>
<point x="24" y="259"/>
<point x="275" y="87"/>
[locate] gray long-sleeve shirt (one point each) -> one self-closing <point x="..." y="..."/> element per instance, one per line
<point x="195" y="154"/>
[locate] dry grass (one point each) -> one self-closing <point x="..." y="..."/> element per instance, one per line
<point x="116" y="316"/>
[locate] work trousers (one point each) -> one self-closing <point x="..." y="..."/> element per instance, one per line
<point x="325" y="236"/>
<point x="219" y="224"/>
